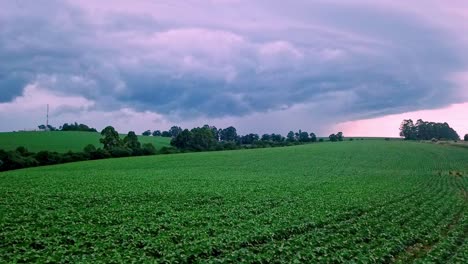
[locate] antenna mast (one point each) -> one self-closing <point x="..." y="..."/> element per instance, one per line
<point x="47" y="120"/>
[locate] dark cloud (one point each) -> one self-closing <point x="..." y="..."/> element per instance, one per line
<point x="374" y="61"/>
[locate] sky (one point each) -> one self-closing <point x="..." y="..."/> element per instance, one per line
<point x="265" y="66"/>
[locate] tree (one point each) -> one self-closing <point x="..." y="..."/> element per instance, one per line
<point x="202" y="139"/>
<point x="77" y="127"/>
<point x="110" y="138"/>
<point x="313" y="137"/>
<point x="423" y="130"/>
<point x="466" y="137"/>
<point x="304" y="136"/>
<point x="146" y="133"/>
<point x="407" y="129"/>
<point x="131" y="141"/>
<point x="148" y="149"/>
<point x="42" y="127"/>
<point x="182" y="140"/>
<point x="266" y="137"/>
<point x="249" y="139"/>
<point x="333" y="138"/>
<point x="339" y="136"/>
<point x="228" y="134"/>
<point x="291" y="137"/>
<point x="165" y="134"/>
<point x="277" y="137"/>
<point x="90" y="148"/>
<point x="174" y="131"/>
<point x="156" y="133"/>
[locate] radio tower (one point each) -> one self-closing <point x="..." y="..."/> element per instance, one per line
<point x="47" y="118"/>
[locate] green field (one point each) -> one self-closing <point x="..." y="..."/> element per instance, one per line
<point x="62" y="141"/>
<point x="359" y="201"/>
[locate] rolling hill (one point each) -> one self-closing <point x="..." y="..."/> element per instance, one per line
<point x="63" y="141"/>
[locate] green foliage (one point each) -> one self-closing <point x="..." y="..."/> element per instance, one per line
<point x="131" y="141"/>
<point x="110" y="138"/>
<point x="228" y="134"/>
<point x="121" y="151"/>
<point x="175" y="131"/>
<point x="357" y="202"/>
<point x="313" y="137"/>
<point x="290" y="137"/>
<point x="148" y="149"/>
<point x="423" y="130"/>
<point x="62" y="141"/>
<point x="77" y="127"/>
<point x="146" y="133"/>
<point x="89" y="149"/>
<point x="197" y="139"/>
<point x="168" y="150"/>
<point x="466" y="137"/>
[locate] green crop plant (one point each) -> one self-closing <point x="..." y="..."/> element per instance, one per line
<point x="370" y="201"/>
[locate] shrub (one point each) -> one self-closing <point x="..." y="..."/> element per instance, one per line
<point x="321" y="140"/>
<point x="74" y="156"/>
<point x="351" y="139"/>
<point x="118" y="152"/>
<point x="89" y="148"/>
<point x="48" y="158"/>
<point x="168" y="150"/>
<point x="148" y="149"/>
<point x="99" y="154"/>
<point x="22" y="151"/>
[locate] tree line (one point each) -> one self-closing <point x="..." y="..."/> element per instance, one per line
<point x="210" y="138"/>
<point x="206" y="138"/>
<point x="422" y="130"/>
<point x="113" y="147"/>
<point x="68" y="127"/>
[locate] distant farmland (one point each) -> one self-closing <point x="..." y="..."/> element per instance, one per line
<point x="347" y="202"/>
<point x="63" y="141"/>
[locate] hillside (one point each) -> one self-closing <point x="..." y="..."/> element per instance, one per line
<point x="360" y="201"/>
<point x="62" y="141"/>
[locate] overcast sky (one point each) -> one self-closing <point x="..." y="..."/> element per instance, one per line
<point x="262" y="66"/>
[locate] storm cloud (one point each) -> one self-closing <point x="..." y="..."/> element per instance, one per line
<point x="220" y="61"/>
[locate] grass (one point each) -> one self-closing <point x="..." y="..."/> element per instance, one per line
<point x="62" y="141"/>
<point x="359" y="201"/>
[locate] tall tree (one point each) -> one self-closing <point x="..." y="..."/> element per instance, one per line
<point x="339" y="136"/>
<point x="466" y="137"/>
<point x="303" y="136"/>
<point x="131" y="141"/>
<point x="407" y="129"/>
<point x="423" y="130"/>
<point x="182" y="140"/>
<point x="228" y="134"/>
<point x="291" y="137"/>
<point x="313" y="137"/>
<point x="175" y="130"/>
<point x="110" y="138"/>
<point x="156" y="133"/>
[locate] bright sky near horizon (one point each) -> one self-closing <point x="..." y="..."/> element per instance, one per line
<point x="265" y="66"/>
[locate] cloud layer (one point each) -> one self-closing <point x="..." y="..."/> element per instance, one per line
<point x="305" y="63"/>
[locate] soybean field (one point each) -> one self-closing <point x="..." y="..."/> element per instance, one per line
<point x="356" y="201"/>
